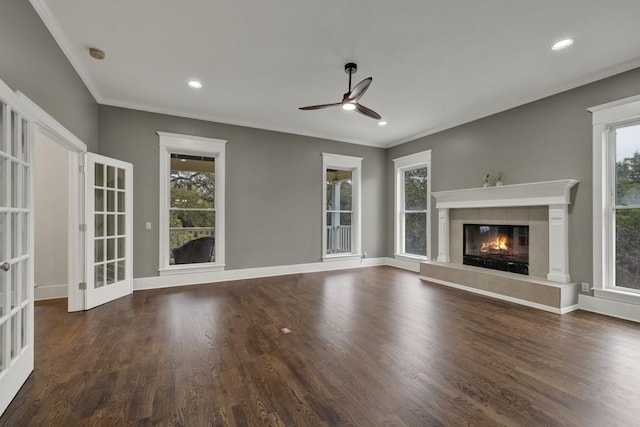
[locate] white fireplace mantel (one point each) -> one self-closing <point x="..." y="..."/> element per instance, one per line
<point x="530" y="194"/>
<point x="554" y="194"/>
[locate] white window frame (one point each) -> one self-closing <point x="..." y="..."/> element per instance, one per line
<point x="171" y="143"/>
<point x="605" y="118"/>
<point x="353" y="164"/>
<point x="401" y="165"/>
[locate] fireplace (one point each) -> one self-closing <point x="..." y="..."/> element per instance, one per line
<point x="499" y="247"/>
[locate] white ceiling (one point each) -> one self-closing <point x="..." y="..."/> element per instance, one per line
<point x="435" y="63"/>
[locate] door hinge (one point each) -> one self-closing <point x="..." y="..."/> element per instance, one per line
<point x="82" y="286"/>
<point x="83" y="227"/>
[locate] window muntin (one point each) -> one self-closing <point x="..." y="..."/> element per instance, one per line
<point x="626" y="141"/>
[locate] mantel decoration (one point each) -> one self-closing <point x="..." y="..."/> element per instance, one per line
<point x="486" y="182"/>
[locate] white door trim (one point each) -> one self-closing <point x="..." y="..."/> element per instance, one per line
<point x="49" y="126"/>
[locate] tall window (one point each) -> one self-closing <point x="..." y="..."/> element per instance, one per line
<point x="626" y="140"/>
<point x="191" y="203"/>
<point x="341" y="202"/>
<point x="616" y="200"/>
<point x="412" y="205"/>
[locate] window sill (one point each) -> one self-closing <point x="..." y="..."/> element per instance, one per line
<point x="186" y="269"/>
<point x="618" y="295"/>
<point x="410" y="258"/>
<point x="342" y="257"/>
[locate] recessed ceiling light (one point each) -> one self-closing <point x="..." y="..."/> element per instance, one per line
<point x="382" y="123"/>
<point x="195" y="84"/>
<point x="348" y="106"/>
<point x="559" y="45"/>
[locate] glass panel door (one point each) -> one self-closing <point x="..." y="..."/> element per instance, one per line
<point x="109" y="230"/>
<point x="16" y="248"/>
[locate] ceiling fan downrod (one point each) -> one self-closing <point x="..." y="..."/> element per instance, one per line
<point x="350" y="68"/>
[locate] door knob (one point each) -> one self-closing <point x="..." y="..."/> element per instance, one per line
<point x="5" y="266"/>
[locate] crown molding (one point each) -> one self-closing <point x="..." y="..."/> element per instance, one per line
<point x="60" y="37"/>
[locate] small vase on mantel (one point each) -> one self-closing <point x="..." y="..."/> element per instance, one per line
<point x="485" y="183"/>
<point x="499" y="179"/>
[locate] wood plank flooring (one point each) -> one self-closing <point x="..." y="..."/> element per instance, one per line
<point x="369" y="347"/>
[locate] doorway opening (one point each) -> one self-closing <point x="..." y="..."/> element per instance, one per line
<point x="51" y="218"/>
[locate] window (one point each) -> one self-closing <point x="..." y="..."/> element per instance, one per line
<point x="191" y="203"/>
<point x="341" y="207"/>
<point x="626" y="142"/>
<point x="412" y="206"/>
<point x="616" y="199"/>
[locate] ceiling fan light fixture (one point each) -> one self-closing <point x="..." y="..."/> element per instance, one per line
<point x="562" y="44"/>
<point x="195" y="84"/>
<point x="351" y="99"/>
<point x="382" y="123"/>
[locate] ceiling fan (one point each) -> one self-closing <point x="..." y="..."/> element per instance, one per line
<point x="350" y="99"/>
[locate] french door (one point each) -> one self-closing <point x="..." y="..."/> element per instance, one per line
<point x="16" y="246"/>
<point x="109" y="230"/>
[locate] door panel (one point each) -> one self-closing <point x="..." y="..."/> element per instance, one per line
<point x="16" y="247"/>
<point x="109" y="229"/>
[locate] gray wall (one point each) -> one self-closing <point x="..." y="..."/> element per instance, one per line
<point x="541" y="141"/>
<point x="273" y="188"/>
<point x="32" y="62"/>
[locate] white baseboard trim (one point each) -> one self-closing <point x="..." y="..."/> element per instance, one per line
<point x="405" y="265"/>
<point x="608" y="307"/>
<point x="158" y="282"/>
<point x="45" y="292"/>
<point x="503" y="297"/>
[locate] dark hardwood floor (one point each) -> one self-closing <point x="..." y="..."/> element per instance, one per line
<point x="368" y="347"/>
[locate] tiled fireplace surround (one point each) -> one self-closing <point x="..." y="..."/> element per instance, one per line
<point x="544" y="208"/>
<point x="536" y="217"/>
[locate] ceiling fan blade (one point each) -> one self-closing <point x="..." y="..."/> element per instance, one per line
<point x="318" y="107"/>
<point x="360" y="89"/>
<point x="367" y="112"/>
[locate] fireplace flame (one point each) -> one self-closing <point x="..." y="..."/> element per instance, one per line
<point x="500" y="243"/>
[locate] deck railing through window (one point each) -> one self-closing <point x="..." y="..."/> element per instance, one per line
<point x="338" y="239"/>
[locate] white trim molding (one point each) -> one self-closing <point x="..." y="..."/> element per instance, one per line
<point x="158" y="282"/>
<point x="199" y="146"/>
<point x="45" y="292"/>
<point x="66" y="46"/>
<point x="609" y="307"/>
<point x="554" y="194"/>
<point x="401" y="165"/>
<point x="47" y="125"/>
<point x="354" y="165"/>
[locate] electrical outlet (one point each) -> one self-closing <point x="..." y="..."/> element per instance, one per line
<point x="585" y="287"/>
<point x="148" y="225"/>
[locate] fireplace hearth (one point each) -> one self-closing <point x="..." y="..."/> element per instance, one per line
<point x="498" y="247"/>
